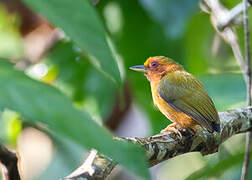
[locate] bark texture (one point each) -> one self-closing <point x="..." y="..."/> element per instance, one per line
<point x="162" y="147"/>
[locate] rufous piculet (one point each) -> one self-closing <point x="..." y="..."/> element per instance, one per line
<point x="179" y="95"/>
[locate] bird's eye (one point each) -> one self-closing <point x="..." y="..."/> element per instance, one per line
<point x="154" y="64"/>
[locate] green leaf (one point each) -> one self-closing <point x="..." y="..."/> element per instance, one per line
<point x="39" y="102"/>
<point x="10" y="127"/>
<point x="80" y="22"/>
<point x="10" y="34"/>
<point x="75" y="72"/>
<point x="72" y="68"/>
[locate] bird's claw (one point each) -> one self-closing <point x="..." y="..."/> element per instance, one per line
<point x="172" y="129"/>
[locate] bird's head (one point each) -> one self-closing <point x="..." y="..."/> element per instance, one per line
<point x="156" y="67"/>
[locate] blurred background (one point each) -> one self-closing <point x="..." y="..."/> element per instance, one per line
<point x="138" y="29"/>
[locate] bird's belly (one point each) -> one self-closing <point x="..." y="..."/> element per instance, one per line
<point x="178" y="117"/>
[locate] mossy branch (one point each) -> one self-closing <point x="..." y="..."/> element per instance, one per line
<point x="162" y="147"/>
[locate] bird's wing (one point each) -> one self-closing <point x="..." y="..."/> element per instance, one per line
<point x="185" y="93"/>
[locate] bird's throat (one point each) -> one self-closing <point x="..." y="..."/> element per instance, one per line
<point x="155" y="76"/>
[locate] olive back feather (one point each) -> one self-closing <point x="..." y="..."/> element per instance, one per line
<point x="186" y="94"/>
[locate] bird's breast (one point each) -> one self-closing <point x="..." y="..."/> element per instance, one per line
<point x="159" y="102"/>
<point x="175" y="116"/>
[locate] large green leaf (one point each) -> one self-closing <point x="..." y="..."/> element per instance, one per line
<point x="80" y="22"/>
<point x="39" y="102"/>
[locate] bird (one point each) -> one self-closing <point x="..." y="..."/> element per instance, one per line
<point x="179" y="96"/>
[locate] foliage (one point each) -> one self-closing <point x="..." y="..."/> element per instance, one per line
<point x="88" y="69"/>
<point x="87" y="31"/>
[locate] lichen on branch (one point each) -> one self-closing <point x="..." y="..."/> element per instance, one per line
<point x="162" y="147"/>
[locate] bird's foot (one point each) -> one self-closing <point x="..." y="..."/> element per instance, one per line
<point x="171" y="128"/>
<point x="194" y="130"/>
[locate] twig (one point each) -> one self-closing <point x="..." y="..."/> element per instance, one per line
<point x="218" y="14"/>
<point x="232" y="16"/>
<point x="221" y="18"/>
<point x="85" y="170"/>
<point x="162" y="147"/>
<point x="10" y="161"/>
<point x="244" y="173"/>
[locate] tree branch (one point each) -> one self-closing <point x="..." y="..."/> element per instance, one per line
<point x="248" y="84"/>
<point x="232" y="16"/>
<point x="221" y="19"/>
<point x="162" y="147"/>
<point x="228" y="17"/>
<point x="10" y="162"/>
<point x="218" y="15"/>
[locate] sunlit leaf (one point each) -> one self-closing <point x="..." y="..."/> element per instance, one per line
<point x="10" y="127"/>
<point x="10" y="35"/>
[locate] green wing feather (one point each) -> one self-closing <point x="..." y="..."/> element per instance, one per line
<point x="185" y="93"/>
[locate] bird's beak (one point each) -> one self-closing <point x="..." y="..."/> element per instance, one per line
<point x="139" y="68"/>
